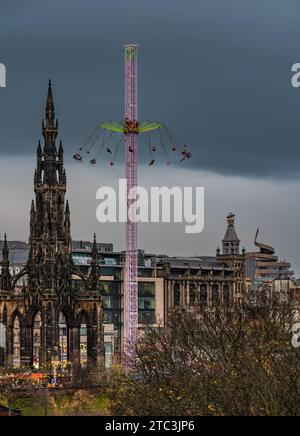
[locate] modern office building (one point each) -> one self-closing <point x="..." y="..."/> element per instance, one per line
<point x="111" y="285"/>
<point x="205" y="280"/>
<point x="263" y="266"/>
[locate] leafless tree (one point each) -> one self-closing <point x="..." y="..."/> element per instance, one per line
<point x="227" y="360"/>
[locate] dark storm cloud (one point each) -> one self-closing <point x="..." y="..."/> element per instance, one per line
<point x="217" y="72"/>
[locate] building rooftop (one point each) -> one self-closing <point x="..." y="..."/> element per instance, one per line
<point x="204" y="262"/>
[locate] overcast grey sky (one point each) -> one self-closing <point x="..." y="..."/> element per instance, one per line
<point x="217" y="72"/>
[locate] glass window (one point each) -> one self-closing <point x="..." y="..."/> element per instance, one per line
<point x="110" y="287"/>
<point x="146" y="303"/>
<point x="215" y="293"/>
<point x="16" y="343"/>
<point x="144" y="272"/>
<point x="83" y="343"/>
<point x="63" y="339"/>
<point x="37" y="325"/>
<point x="107" y="271"/>
<point x="110" y="261"/>
<point x="203" y="294"/>
<point x="146" y="288"/>
<point x="107" y="302"/>
<point x="177" y="294"/>
<point x="81" y="258"/>
<point x="192" y="295"/>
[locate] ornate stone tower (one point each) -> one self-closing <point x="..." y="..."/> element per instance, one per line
<point x="50" y="262"/>
<point x="56" y="293"/>
<point x="230" y="242"/>
<point x="232" y="255"/>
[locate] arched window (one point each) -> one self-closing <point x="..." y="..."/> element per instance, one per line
<point x="177" y="294"/>
<point x="215" y="294"/>
<point x="203" y="295"/>
<point x="16" y="343"/>
<point x="36" y="339"/>
<point x="63" y="339"/>
<point x="83" y="340"/>
<point x="226" y="294"/>
<point x="192" y="295"/>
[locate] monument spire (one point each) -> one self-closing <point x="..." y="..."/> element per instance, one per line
<point x="5" y="272"/>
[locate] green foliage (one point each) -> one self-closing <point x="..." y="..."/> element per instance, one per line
<point x="49" y="403"/>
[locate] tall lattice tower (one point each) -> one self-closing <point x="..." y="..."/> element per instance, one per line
<point x="130" y="138"/>
<point x="110" y="135"/>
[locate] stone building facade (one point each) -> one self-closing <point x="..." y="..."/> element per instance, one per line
<point x="49" y="318"/>
<point x="206" y="280"/>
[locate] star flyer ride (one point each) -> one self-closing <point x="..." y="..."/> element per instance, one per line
<point x="107" y="138"/>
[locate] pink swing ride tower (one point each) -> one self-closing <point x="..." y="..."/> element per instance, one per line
<point x="107" y="134"/>
<point x="131" y="233"/>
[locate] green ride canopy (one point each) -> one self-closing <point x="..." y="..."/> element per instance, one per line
<point x="119" y="127"/>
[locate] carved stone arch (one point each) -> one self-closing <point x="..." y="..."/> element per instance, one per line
<point x="16" y="314"/>
<point x="65" y="328"/>
<point x="35" y="333"/>
<point x="83" y="316"/>
<point x="39" y="253"/>
<point x="14" y="338"/>
<point x="85" y="337"/>
<point x="68" y="314"/>
<point x="59" y="198"/>
<point x="31" y="314"/>
<point x="17" y="277"/>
